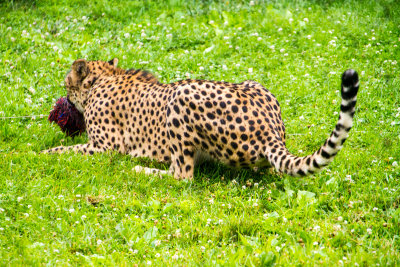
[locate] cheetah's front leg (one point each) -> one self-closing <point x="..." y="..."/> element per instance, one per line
<point x="88" y="148"/>
<point x="182" y="162"/>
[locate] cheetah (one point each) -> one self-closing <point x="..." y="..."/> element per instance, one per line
<point x="238" y="124"/>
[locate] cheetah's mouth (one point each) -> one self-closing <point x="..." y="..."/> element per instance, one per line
<point x="69" y="101"/>
<point x="74" y="105"/>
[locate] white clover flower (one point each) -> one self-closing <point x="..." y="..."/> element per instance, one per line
<point x="250" y="71"/>
<point x="305" y="19"/>
<point x="375" y="209"/>
<point x="278" y="248"/>
<point x="251" y="3"/>
<point x="71" y="210"/>
<point x="157" y="243"/>
<point x="340" y="218"/>
<point x="83" y="217"/>
<point x="395" y="164"/>
<point x="175" y="257"/>
<point x="280" y="29"/>
<point x="282" y="50"/>
<point x="348" y="178"/>
<point x="369" y="231"/>
<point x="19" y="199"/>
<point x="211" y="201"/>
<point x="337" y="227"/>
<point x="178" y="233"/>
<point x="202" y="248"/>
<point x="99" y="242"/>
<point x="157" y="255"/>
<point x="135" y="251"/>
<point x="315" y="243"/>
<point x="12" y="39"/>
<point x="244" y="187"/>
<point x="317" y="228"/>
<point x="211" y="22"/>
<point x="31" y="90"/>
<point x="201" y="68"/>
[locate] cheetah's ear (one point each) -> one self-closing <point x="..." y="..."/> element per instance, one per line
<point x="80" y="67"/>
<point x="113" y="62"/>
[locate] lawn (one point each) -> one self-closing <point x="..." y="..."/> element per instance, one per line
<point x="95" y="210"/>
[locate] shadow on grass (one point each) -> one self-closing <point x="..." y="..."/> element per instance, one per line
<point x="218" y="172"/>
<point x="215" y="172"/>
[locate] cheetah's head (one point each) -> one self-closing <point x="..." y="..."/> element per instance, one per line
<point x="83" y="75"/>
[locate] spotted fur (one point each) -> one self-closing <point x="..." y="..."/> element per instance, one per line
<point x="237" y="124"/>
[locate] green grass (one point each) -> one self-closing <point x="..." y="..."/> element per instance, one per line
<point x="80" y="210"/>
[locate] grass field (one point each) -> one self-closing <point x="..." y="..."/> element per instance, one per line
<point x="80" y="210"/>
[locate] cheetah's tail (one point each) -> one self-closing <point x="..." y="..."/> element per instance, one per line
<point x="301" y="166"/>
